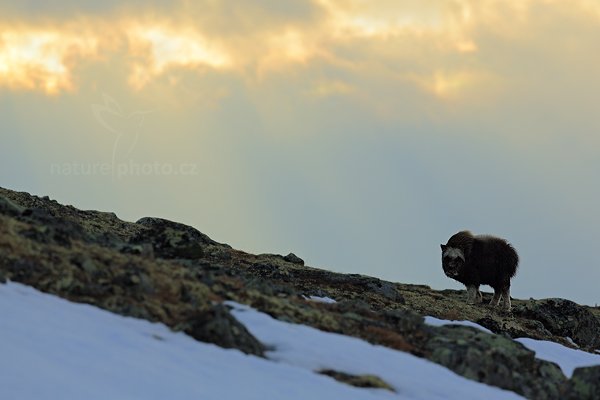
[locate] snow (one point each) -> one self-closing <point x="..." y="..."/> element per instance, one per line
<point x="54" y="349"/>
<point x="308" y="348"/>
<point x="441" y="322"/>
<point x="568" y="359"/>
<point x="327" y="300"/>
<point x="571" y="341"/>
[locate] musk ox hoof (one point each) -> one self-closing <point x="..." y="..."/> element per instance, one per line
<point x="473" y="295"/>
<point x="476" y="300"/>
<point x="502" y="308"/>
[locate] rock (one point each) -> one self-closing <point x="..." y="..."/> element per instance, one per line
<point x="361" y="381"/>
<point x="404" y="320"/>
<point x="374" y="285"/>
<point x="585" y="384"/>
<point x="145" y="249"/>
<point x="219" y="253"/>
<point x="160" y="225"/>
<point x="495" y="360"/>
<point x="86" y="264"/>
<point x="355" y="282"/>
<point x="564" y="318"/>
<point x="49" y="229"/>
<point x="173" y="240"/>
<point x="218" y="326"/>
<point x="294" y="259"/>
<point x="9" y="208"/>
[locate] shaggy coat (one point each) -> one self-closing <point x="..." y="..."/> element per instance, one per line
<point x="481" y="260"/>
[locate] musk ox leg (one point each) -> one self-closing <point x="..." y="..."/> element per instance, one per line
<point x="496" y="297"/>
<point x="506" y="299"/>
<point x="473" y="294"/>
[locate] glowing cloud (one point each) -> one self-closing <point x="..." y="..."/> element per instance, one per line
<point x="41" y="59"/>
<point x="162" y="48"/>
<point x="389" y="17"/>
<point x="444" y="84"/>
<point x="430" y="43"/>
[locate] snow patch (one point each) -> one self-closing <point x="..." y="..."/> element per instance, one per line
<point x="442" y="322"/>
<point x="327" y="300"/>
<point x="571" y="341"/>
<point x="567" y="359"/>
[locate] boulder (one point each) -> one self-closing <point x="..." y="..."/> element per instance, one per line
<point x="9" y="208"/>
<point x="218" y="326"/>
<point x="294" y="259"/>
<point x="585" y="384"/>
<point x="564" y="318"/>
<point x="172" y="240"/>
<point x="495" y="360"/>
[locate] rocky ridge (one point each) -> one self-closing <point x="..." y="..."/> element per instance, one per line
<point x="165" y="271"/>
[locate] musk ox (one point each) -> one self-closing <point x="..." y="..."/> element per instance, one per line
<point x="481" y="260"/>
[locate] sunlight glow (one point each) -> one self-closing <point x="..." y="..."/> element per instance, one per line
<point x="40" y="60"/>
<point x="411" y="38"/>
<point x="366" y="18"/>
<point x="166" y="48"/>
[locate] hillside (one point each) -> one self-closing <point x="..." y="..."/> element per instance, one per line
<point x="167" y="272"/>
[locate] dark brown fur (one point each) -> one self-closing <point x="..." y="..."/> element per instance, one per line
<point x="488" y="260"/>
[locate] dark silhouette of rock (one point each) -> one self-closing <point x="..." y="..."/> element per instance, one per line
<point x="173" y="240"/>
<point x="293" y="259"/>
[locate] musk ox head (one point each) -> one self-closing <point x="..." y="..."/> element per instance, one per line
<point x="453" y="259"/>
<point x="456" y="252"/>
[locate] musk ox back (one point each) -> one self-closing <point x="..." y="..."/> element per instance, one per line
<point x="481" y="260"/>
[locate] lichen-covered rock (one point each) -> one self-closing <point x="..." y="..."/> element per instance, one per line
<point x="9" y="208"/>
<point x="495" y="360"/>
<point x="564" y="318"/>
<point x="217" y="325"/>
<point x="585" y="384"/>
<point x="293" y="259"/>
<point x="173" y="240"/>
<point x="48" y="229"/>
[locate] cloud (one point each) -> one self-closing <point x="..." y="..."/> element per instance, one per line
<point x="42" y="59"/>
<point x="452" y="52"/>
<point x="67" y="9"/>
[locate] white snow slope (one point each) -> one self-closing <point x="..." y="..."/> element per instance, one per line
<point x="54" y="349"/>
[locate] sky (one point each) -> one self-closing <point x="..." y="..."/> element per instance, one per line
<point x="359" y="135"/>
